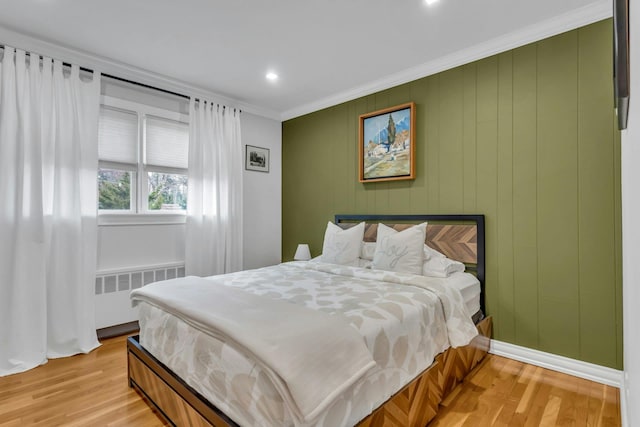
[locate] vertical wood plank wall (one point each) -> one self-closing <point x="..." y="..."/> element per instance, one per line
<point x="526" y="137"/>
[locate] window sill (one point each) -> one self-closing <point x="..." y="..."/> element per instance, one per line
<point x="110" y="219"/>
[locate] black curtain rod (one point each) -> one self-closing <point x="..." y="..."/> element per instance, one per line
<point x="142" y="84"/>
<point x="129" y="81"/>
<point x="120" y="79"/>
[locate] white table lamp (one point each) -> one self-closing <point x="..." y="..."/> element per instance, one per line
<point x="302" y="253"/>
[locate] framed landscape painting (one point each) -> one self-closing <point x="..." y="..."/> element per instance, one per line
<point x="386" y="144"/>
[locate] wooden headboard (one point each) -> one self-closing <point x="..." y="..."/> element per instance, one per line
<point x="459" y="237"/>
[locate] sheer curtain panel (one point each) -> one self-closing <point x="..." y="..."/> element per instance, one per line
<point x="214" y="209"/>
<point x="48" y="169"/>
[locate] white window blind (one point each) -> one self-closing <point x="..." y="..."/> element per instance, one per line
<point x="167" y="143"/>
<point x="118" y="136"/>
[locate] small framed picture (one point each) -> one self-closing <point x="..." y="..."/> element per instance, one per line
<point x="256" y="159"/>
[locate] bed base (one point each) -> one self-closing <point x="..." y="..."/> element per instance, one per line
<point x="414" y="405"/>
<point x="174" y="399"/>
<point x="419" y="401"/>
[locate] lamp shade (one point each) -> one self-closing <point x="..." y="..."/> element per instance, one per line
<point x="302" y="253"/>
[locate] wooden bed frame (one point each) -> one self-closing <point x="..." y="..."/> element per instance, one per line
<point x="460" y="237"/>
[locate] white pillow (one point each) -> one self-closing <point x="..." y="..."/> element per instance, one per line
<point x="441" y="267"/>
<point x="400" y="251"/>
<point x="429" y="253"/>
<point x="342" y="246"/>
<point x="367" y="250"/>
<point x="364" y="263"/>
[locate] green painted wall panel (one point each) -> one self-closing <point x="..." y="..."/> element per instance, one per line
<point x="618" y="236"/>
<point x="470" y="162"/>
<point x="350" y="184"/>
<point x="504" y="213"/>
<point x="526" y="138"/>
<point x="558" y="195"/>
<point x="450" y="155"/>
<point x="525" y="177"/>
<point x="419" y="190"/>
<point x="340" y="163"/>
<point x="432" y="105"/>
<point x="361" y="196"/>
<point x="486" y="176"/>
<point x="595" y="196"/>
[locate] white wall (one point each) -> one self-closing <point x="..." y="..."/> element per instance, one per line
<point x="631" y="231"/>
<point x="122" y="247"/>
<point x="263" y="195"/>
<point x="129" y="246"/>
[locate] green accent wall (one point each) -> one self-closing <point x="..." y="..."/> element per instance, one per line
<point x="528" y="139"/>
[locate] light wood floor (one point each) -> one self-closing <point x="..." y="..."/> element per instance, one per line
<point x="83" y="390"/>
<point x="505" y="392"/>
<point x="92" y="390"/>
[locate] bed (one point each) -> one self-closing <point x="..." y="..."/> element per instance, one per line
<point x="406" y="394"/>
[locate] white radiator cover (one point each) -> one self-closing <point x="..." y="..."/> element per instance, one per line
<point x="112" y="288"/>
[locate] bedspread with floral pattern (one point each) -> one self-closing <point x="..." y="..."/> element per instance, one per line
<point x="406" y="320"/>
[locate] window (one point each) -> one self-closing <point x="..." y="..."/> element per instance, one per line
<point x="143" y="157"/>
<point x="167" y="148"/>
<point x="114" y="189"/>
<point x="118" y="159"/>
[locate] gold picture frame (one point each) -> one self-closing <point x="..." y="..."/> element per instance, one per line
<point x="386" y="144"/>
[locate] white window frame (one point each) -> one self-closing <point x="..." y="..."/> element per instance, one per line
<point x="139" y="213"/>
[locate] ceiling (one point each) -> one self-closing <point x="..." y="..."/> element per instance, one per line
<point x="324" y="52"/>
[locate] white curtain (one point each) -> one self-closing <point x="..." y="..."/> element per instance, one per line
<point x="48" y="169"/>
<point x="214" y="202"/>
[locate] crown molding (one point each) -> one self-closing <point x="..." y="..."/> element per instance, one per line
<point x="586" y="15"/>
<point x="19" y="40"/>
<point x="596" y="11"/>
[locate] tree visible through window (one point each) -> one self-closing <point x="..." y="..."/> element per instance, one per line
<point x="167" y="191"/>
<point x="114" y="189"/>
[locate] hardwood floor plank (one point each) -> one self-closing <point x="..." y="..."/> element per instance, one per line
<point x="83" y="390"/>
<point x="540" y="399"/>
<point x="504" y="392"/>
<point x="611" y="409"/>
<point x="531" y="377"/>
<point x="567" y="412"/>
<point x="93" y="390"/>
<point x="582" y="402"/>
<point x="550" y="414"/>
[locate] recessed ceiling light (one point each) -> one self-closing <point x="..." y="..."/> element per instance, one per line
<point x="430" y="2"/>
<point x="271" y="76"/>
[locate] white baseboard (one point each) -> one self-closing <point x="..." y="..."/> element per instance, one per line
<point x="624" y="421"/>
<point x="577" y="368"/>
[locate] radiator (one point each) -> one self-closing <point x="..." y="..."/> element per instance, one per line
<point x="122" y="280"/>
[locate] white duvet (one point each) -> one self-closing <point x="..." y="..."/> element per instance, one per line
<point x="316" y="348"/>
<point x="405" y="320"/>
